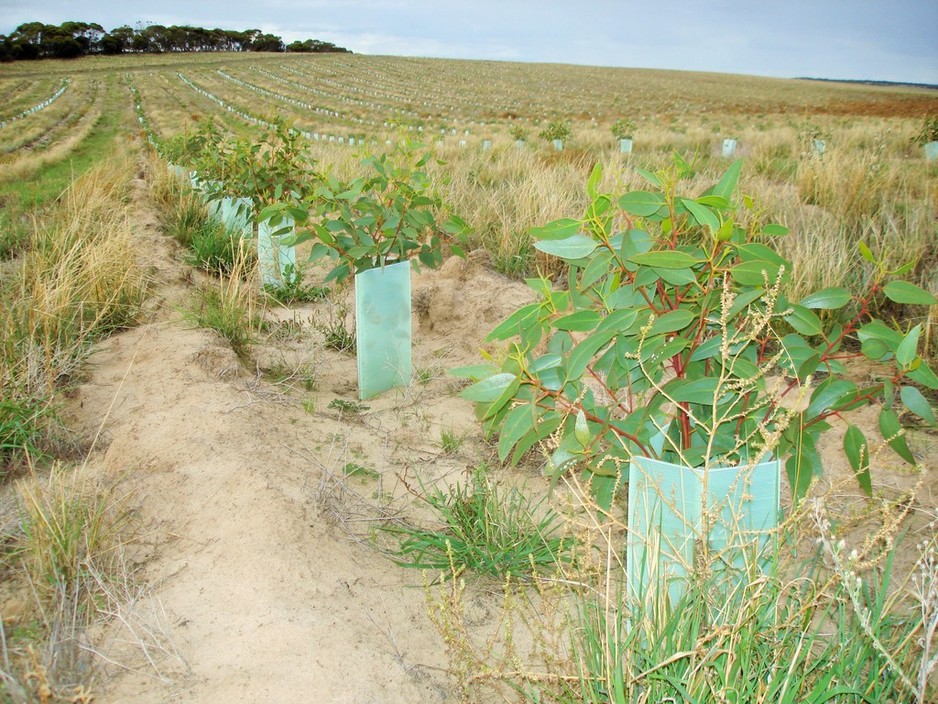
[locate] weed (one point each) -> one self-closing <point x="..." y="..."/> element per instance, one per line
<point x="840" y="630"/>
<point x="303" y="374"/>
<point x="450" y="441"/>
<point x="353" y="469"/>
<point x="214" y="248"/>
<point x="335" y="332"/>
<point x="345" y="406"/>
<point x="66" y="526"/>
<point x="21" y="427"/>
<point x="227" y="309"/>
<point x="185" y="218"/>
<point x="423" y="376"/>
<point x="485" y="529"/>
<point x="293" y="290"/>
<point x="309" y="406"/>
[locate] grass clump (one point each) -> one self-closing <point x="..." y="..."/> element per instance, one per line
<point x="336" y="333"/>
<point x="450" y="441"/>
<point x="226" y="307"/>
<point x="486" y="529"/>
<point x="210" y="245"/>
<point x="294" y="290"/>
<point x="66" y="552"/>
<point x="22" y="425"/>
<point x="75" y="281"/>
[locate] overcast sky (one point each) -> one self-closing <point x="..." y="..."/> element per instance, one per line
<point x="894" y="40"/>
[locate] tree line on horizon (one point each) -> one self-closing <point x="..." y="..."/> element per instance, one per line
<point x="69" y="40"/>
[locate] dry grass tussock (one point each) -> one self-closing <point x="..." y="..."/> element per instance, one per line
<point x="78" y="280"/>
<point x="65" y="555"/>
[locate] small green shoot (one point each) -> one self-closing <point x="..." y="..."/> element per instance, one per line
<point x="450" y="441"/>
<point x="353" y="469"/>
<point x="345" y="406"/>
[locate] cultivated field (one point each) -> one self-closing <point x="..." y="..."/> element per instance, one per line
<point x="196" y="506"/>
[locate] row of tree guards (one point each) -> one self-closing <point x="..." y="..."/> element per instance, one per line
<point x="557" y="133"/>
<point x="382" y="293"/>
<point x="38" y="106"/>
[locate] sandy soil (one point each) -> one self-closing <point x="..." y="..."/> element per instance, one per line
<point x="262" y="587"/>
<point x="248" y="523"/>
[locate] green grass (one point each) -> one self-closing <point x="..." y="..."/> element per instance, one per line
<point x="486" y="529"/>
<point x="22" y="427"/>
<point x="450" y="441"/>
<point x="294" y="289"/>
<point x="223" y="308"/>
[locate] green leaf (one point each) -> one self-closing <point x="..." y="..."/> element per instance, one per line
<point x="727" y="184"/>
<point x="804" y="462"/>
<point x="575" y="247"/>
<point x="474" y="371"/>
<point x="858" y="455"/>
<point x="556" y="230"/>
<point x="907" y="350"/>
<point x="581" y="429"/>
<point x="649" y="176"/>
<point x="755" y="273"/>
<point x="665" y="259"/>
<point x="876" y="329"/>
<point x="546" y="425"/>
<point x="592" y="185"/>
<point x="585" y="351"/>
<point x="519" y="421"/>
<point x="828" y="395"/>
<point x="874" y="348"/>
<point x="804" y="321"/>
<point x="700" y="391"/>
<point x="581" y="321"/>
<point x="866" y="253"/>
<point x="890" y="427"/>
<point x="498" y="404"/>
<point x="596" y="269"/>
<point x="488" y="390"/>
<point x="641" y="203"/>
<point x="718" y="202"/>
<point x="913" y="400"/>
<point x="758" y="252"/>
<point x="924" y="376"/>
<point x="703" y="215"/>
<point x="676" y="277"/>
<point x="514" y="323"/>
<point x="827" y="299"/>
<point x="672" y="321"/>
<point x="774" y="230"/>
<point x="908" y="293"/>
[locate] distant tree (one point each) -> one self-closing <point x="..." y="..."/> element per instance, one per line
<point x="267" y="42"/>
<point x="35" y="40"/>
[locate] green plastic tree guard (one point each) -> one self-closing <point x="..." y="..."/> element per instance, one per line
<point x="931" y="151"/>
<point x="666" y="522"/>
<point x="729" y="147"/>
<point x="383" y="328"/>
<point x="625" y="145"/>
<point x="237" y="215"/>
<point x="273" y="258"/>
